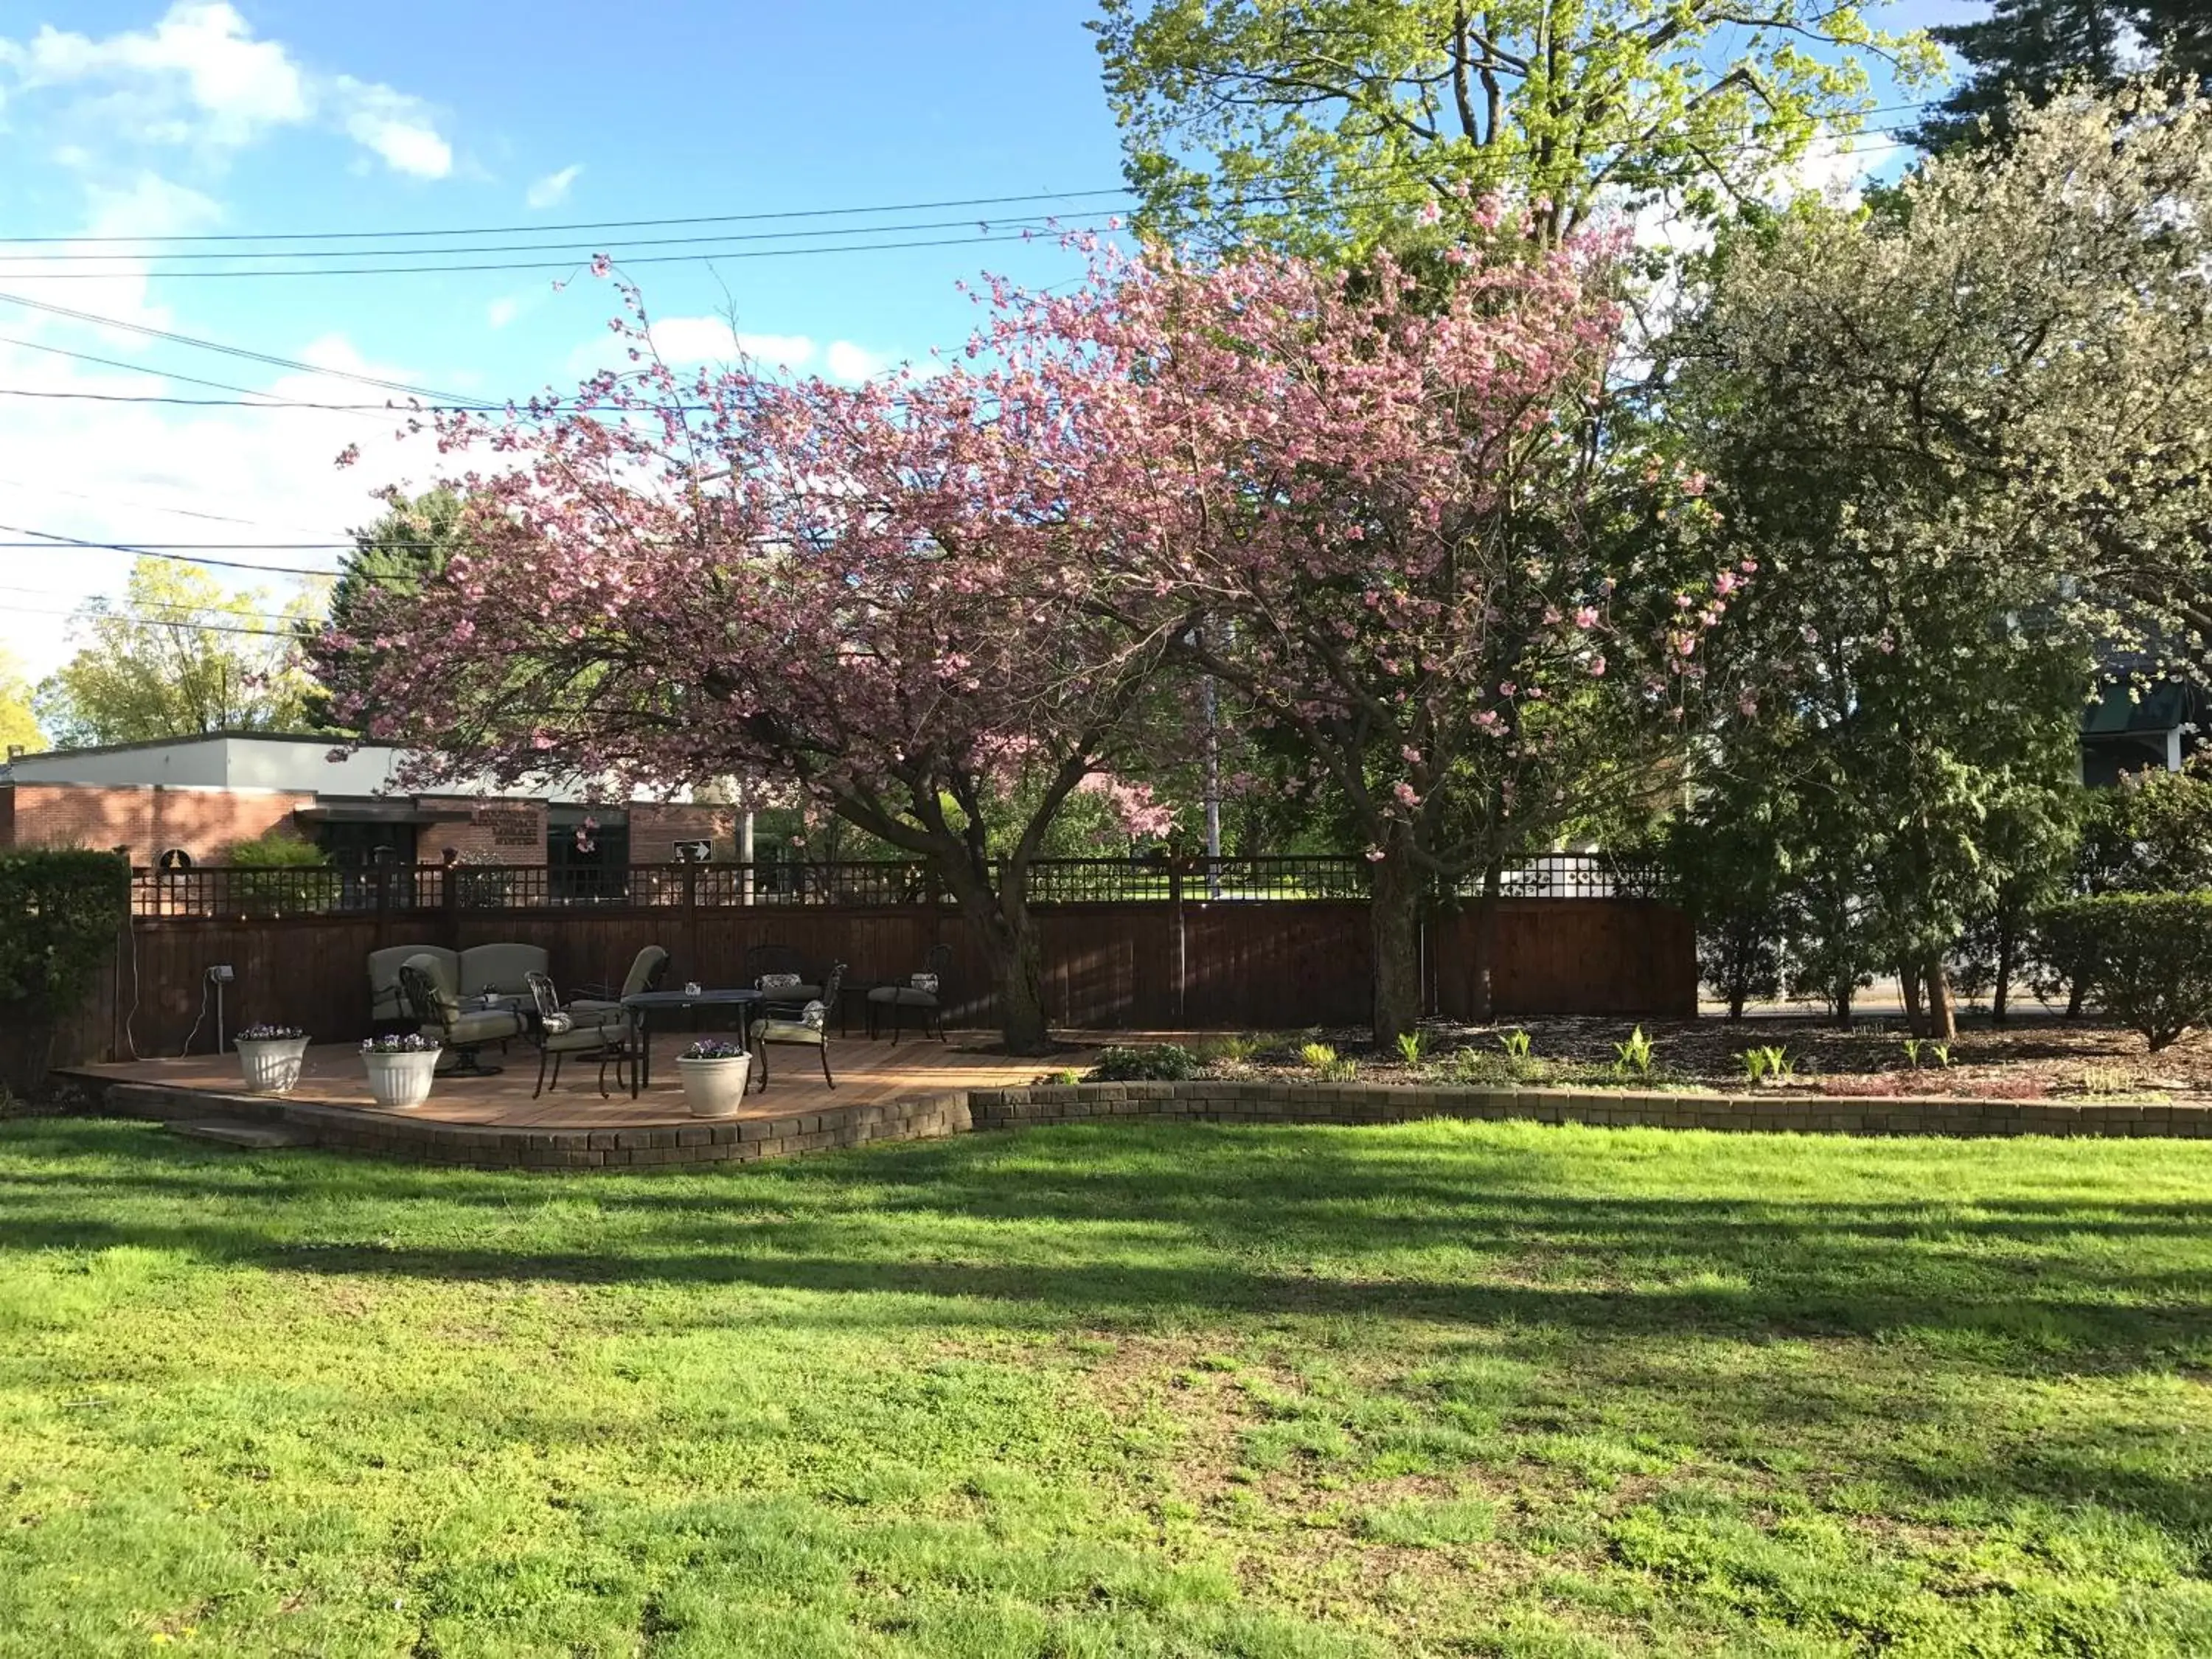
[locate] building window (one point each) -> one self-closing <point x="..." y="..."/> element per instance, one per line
<point x="587" y="864"/>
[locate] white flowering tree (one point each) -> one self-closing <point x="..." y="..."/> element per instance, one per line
<point x="1966" y="435"/>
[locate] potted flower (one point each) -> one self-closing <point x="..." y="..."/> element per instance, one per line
<point x="400" y="1068"/>
<point x="713" y="1073"/>
<point x="270" y="1056"/>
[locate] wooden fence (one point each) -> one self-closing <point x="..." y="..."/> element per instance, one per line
<point x="1173" y="959"/>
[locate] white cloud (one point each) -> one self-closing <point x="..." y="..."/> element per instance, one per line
<point x="144" y="204"/>
<point x="848" y="362"/>
<point x="502" y="311"/>
<point x="553" y="188"/>
<point x="394" y="126"/>
<point x="200" y="78"/>
<point x="683" y="342"/>
<point x="126" y="472"/>
<point x="712" y="340"/>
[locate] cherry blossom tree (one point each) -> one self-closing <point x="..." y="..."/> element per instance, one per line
<point x="1414" y="547"/>
<point x="871" y="596"/>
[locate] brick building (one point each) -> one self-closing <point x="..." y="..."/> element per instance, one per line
<point x="199" y="796"/>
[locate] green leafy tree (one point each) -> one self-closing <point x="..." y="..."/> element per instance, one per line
<point x="1727" y="864"/>
<point x="1962" y="439"/>
<point x="2031" y="48"/>
<point x="1318" y="124"/>
<point x="179" y="655"/>
<point x="413" y="540"/>
<point x="18" y="726"/>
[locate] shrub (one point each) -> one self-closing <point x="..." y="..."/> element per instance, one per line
<point x="1163" y="1062"/>
<point x="280" y="849"/>
<point x="281" y="875"/>
<point x="60" y="908"/>
<point x="2146" y="957"/>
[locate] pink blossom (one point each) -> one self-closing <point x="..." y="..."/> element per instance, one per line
<point x="1812" y="635"/>
<point x="1405" y="794"/>
<point x="1694" y="484"/>
<point x="1597" y="666"/>
<point x="1429" y="213"/>
<point x="1586" y="616"/>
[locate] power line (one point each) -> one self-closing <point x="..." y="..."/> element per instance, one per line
<point x="758" y="217"/>
<point x="17" y="275"/>
<point x="275" y="406"/>
<point x="147" y="507"/>
<point x="168" y="621"/>
<point x="601" y="224"/>
<point x="106" y="605"/>
<point x="17" y="264"/>
<point x="48" y="539"/>
<point x="248" y="397"/>
<point x="291" y="363"/>
<point x="581" y="251"/>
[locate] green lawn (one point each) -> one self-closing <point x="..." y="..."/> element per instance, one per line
<point x="1145" y="1389"/>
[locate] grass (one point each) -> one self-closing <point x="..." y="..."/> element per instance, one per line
<point x="1145" y="1389"/>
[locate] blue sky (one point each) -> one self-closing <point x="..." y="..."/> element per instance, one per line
<point x="142" y="118"/>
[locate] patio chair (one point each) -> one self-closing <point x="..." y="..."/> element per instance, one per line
<point x="809" y="1027"/>
<point x="646" y="970"/>
<point x="925" y="991"/>
<point x="462" y="1032"/>
<point x="604" y="1037"/>
<point x="793" y="990"/>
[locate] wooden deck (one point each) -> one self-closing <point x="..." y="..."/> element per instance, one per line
<point x="868" y="1073"/>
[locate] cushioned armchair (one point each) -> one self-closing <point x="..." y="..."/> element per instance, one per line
<point x="809" y="1028"/>
<point x="461" y="1032"/>
<point x="925" y="992"/>
<point x="387" y="1002"/>
<point x="605" y="1037"/>
<point x="646" y="970"/>
<point x="779" y="974"/>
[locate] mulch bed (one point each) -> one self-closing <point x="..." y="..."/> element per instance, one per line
<point x="2036" y="1058"/>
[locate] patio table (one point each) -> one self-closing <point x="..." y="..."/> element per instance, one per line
<point x="643" y="1002"/>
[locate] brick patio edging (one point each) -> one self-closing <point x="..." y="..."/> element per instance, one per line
<point x="951" y="1112"/>
<point x="424" y="1140"/>
<point x="1212" y="1100"/>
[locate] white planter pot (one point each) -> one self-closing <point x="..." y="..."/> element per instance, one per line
<point x="271" y="1065"/>
<point x="714" y="1088"/>
<point x="399" y="1081"/>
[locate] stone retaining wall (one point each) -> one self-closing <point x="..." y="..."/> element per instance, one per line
<point x="1299" y="1102"/>
<point x="392" y="1134"/>
<point x="955" y="1112"/>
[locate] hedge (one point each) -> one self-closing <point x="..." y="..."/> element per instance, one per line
<point x="2146" y="957"/>
<point x="59" y="911"/>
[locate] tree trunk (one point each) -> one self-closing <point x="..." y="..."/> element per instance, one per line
<point x="1908" y="987"/>
<point x="1394" y="908"/>
<point x="2001" y="992"/>
<point x="1735" y="1000"/>
<point x="1943" y="1012"/>
<point x="999" y="920"/>
<point x="1482" y="1005"/>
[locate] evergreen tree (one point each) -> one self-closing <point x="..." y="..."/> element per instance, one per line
<point x="2032" y="47"/>
<point x="390" y="557"/>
